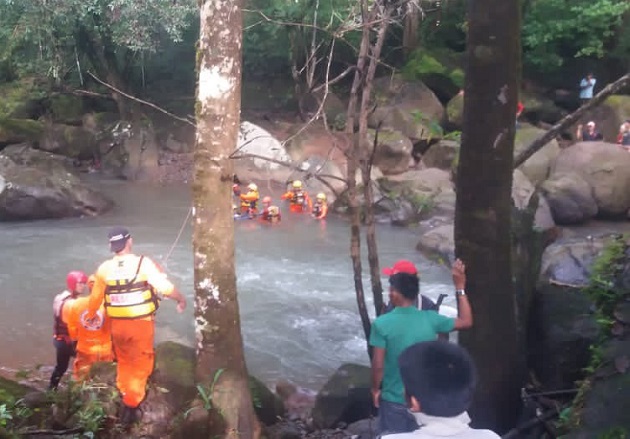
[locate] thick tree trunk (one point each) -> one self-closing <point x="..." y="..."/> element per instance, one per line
<point x="217" y="321"/>
<point x="483" y="209"/>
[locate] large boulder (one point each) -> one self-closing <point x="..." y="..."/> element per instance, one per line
<point x="442" y="155"/>
<point x="538" y="166"/>
<point x="68" y="140"/>
<point x="265" y="152"/>
<point x="570" y="198"/>
<point x="438" y="243"/>
<point x="393" y="151"/>
<point x="406" y="106"/>
<point x="346" y="397"/>
<point x="522" y="191"/>
<point x="455" y="112"/>
<point x="606" y="168"/>
<point x="440" y="70"/>
<point x="562" y="324"/>
<point x="19" y="130"/>
<point x="44" y="191"/>
<point x="539" y="108"/>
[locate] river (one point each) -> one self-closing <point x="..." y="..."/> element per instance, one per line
<point x="297" y="302"/>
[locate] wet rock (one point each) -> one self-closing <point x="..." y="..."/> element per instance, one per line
<point x="441" y="155"/>
<point x="344" y="398"/>
<point x="298" y="402"/>
<point x="45" y="191"/>
<point x="438" y="244"/>
<point x="562" y="323"/>
<point x="455" y="112"/>
<point x="393" y="151"/>
<point x="570" y="198"/>
<point x="363" y="429"/>
<point x="538" y="167"/>
<point x="19" y="130"/>
<point x="606" y="168"/>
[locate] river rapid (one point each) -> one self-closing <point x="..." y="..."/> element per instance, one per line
<point x="298" y="309"/>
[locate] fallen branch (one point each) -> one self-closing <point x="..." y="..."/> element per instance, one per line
<point x="571" y="119"/>
<point x="517" y="432"/>
<point x="133" y="98"/>
<point x="321" y="177"/>
<point x="26" y="433"/>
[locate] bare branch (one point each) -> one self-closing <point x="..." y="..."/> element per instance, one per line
<point x="133" y="98"/>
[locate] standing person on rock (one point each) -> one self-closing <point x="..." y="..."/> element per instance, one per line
<point x="130" y="287"/>
<point x="64" y="346"/>
<point x="402" y="327"/>
<point x="587" y="85"/>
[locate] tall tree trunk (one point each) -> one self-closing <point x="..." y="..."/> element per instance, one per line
<point x="410" y="28"/>
<point x="352" y="156"/>
<point x="483" y="209"/>
<point x="220" y="360"/>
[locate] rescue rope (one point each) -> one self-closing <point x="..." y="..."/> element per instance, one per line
<point x="179" y="235"/>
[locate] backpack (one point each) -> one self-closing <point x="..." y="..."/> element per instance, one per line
<point x="426" y="304"/>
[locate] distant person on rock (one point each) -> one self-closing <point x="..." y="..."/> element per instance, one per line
<point x="586" y="88"/>
<point x="623" y="138"/>
<point x="439" y="380"/>
<point x="588" y="134"/>
<point x="404" y="326"/>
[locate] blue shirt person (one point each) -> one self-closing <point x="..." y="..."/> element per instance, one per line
<point x="586" y="87"/>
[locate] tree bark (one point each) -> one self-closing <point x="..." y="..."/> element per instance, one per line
<point x="220" y="360"/>
<point x="483" y="209"/>
<point x="569" y="120"/>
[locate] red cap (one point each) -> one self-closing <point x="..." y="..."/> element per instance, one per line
<point x="402" y="266"/>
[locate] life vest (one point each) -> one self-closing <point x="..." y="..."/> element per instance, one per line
<point x="60" y="329"/>
<point x="299" y="198"/>
<point x="317" y="209"/>
<point x="250" y="200"/>
<point x="271" y="214"/>
<point x="130" y="298"/>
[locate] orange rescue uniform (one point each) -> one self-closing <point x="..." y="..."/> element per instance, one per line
<point x="299" y="200"/>
<point x="249" y="202"/>
<point x="94" y="341"/>
<point x="130" y="287"/>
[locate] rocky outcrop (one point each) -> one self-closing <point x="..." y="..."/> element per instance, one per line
<point x="346" y="397"/>
<point x="408" y="107"/>
<point x="69" y="141"/>
<point x="570" y="198"/>
<point x="37" y="186"/>
<point x="442" y="155"/>
<point x="538" y="167"/>
<point x="393" y="151"/>
<point x="19" y="130"/>
<point x="522" y="191"/>
<point x="438" y="244"/>
<point x="562" y="324"/>
<point x="455" y="112"/>
<point x="263" y="149"/>
<point x="606" y="168"/>
<point x="609" y="116"/>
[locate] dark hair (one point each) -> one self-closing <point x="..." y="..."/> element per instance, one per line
<point x="406" y="284"/>
<point x="440" y="375"/>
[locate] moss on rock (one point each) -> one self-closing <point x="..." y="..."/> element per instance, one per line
<point x="20" y="130"/>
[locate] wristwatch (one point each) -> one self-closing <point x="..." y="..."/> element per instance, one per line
<point x="460" y="293"/>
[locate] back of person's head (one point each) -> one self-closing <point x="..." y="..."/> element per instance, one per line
<point x="406" y="284"/>
<point x="441" y="376"/>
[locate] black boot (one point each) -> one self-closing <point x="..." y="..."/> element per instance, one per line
<point x="128" y="415"/>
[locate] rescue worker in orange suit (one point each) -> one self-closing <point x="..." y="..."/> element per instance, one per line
<point x="94" y="340"/>
<point x="249" y="201"/>
<point x="64" y="346"/>
<point x="270" y="213"/>
<point x="130" y="287"/>
<point x="298" y="198"/>
<point x="320" y="208"/>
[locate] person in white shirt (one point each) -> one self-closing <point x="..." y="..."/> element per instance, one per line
<point x="439" y="379"/>
<point x="586" y="88"/>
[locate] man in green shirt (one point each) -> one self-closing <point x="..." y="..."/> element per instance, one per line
<point x="404" y="326"/>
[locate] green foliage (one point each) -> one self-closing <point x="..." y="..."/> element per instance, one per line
<point x="614" y="433"/>
<point x="556" y="29"/>
<point x="206" y="395"/>
<point x="602" y="288"/>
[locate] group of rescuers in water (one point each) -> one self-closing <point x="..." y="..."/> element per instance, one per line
<point x="245" y="205"/>
<point x="422" y="384"/>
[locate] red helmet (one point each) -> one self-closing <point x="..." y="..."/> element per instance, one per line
<point x="73" y="278"/>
